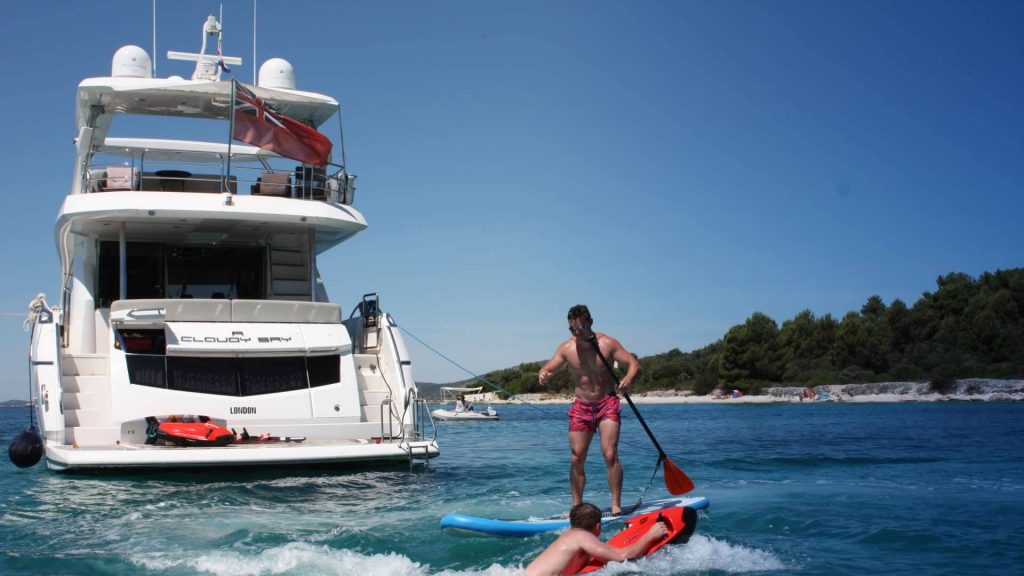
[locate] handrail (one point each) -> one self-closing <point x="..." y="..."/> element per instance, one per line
<point x="328" y="184"/>
<point x="391" y="428"/>
<point x="424" y="407"/>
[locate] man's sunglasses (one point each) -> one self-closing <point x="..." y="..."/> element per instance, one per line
<point x="577" y="328"/>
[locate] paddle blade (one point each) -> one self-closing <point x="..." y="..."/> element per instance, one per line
<point x="676" y="480"/>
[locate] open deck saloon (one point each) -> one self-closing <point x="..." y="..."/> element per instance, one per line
<point x="190" y="291"/>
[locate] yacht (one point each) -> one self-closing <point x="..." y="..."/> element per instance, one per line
<point x="190" y="289"/>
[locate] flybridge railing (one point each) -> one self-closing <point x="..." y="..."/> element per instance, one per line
<point x="327" y="184"/>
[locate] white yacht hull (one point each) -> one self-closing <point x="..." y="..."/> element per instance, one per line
<point x="94" y="415"/>
<point x="307" y="453"/>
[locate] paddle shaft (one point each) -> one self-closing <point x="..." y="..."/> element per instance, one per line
<point x="611" y="371"/>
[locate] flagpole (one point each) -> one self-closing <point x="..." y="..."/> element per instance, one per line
<point x="253" y="42"/>
<point x="341" y="135"/>
<point x="231" y="136"/>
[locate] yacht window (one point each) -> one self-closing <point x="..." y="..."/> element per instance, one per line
<point x="324" y="369"/>
<point x="146" y="370"/>
<point x="214" y="272"/>
<point x="145" y="272"/>
<point x="233" y="376"/>
<point x="160" y="271"/>
<point x="269" y="375"/>
<point x="202" y="375"/>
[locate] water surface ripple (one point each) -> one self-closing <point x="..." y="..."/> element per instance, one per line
<point x="795" y="489"/>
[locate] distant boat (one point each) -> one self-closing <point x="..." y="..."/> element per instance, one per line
<point x="461" y="408"/>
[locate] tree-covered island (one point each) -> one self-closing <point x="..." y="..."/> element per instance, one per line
<point x="968" y="328"/>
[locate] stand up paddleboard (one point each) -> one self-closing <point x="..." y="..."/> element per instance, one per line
<point x="680" y="522"/>
<point x="476" y="526"/>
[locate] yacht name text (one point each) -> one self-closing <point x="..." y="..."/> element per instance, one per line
<point x="234" y="339"/>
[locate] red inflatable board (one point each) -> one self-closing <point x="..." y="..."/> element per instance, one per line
<point x="680" y="521"/>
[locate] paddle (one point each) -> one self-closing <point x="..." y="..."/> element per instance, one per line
<point x="676" y="480"/>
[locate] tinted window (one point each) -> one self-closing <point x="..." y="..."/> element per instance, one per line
<point x="234" y="376"/>
<point x="269" y="375"/>
<point x="324" y="369"/>
<point x="202" y="375"/>
<point x="147" y="370"/>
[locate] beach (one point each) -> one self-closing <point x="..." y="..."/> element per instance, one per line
<point x="964" y="390"/>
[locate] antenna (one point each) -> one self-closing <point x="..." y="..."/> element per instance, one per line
<point x="253" y="42"/>
<point x="154" y="38"/>
<point x="208" y="66"/>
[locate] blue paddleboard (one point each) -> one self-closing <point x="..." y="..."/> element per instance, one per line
<point x="477" y="526"/>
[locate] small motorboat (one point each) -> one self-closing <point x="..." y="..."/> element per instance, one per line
<point x="461" y="409"/>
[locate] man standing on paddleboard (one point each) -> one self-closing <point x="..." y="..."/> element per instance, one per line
<point x="596" y="406"/>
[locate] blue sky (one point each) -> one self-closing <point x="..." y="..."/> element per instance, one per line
<point x="674" y="165"/>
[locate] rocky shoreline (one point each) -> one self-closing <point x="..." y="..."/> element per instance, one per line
<point x="965" y="390"/>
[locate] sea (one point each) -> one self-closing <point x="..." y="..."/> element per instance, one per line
<point x="801" y="489"/>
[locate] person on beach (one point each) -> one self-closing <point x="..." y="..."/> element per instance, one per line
<point x="596" y="406"/>
<point x="575" y="548"/>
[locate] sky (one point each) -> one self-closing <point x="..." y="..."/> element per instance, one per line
<point x="674" y="165"/>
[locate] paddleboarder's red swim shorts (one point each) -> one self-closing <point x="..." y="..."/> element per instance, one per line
<point x="585" y="416"/>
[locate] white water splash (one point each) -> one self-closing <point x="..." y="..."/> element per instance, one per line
<point x="707" y="553"/>
<point x="291" y="558"/>
<point x="701" y="554"/>
<point x="492" y="570"/>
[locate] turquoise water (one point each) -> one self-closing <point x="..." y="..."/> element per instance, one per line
<point x="795" y="489"/>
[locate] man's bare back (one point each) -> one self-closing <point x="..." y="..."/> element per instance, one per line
<point x="573" y="549"/>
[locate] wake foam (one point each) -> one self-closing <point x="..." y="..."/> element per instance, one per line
<point x="701" y="555"/>
<point x="292" y="558"/>
<point x="300" y="558"/>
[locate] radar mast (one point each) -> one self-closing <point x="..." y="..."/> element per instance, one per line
<point x="208" y="66"/>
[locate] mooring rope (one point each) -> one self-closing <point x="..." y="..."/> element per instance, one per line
<point x="468" y="371"/>
<point x="36" y="308"/>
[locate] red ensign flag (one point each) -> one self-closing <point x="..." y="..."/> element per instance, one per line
<point x="258" y="124"/>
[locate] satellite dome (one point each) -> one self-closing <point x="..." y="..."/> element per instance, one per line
<point x="131" y="62"/>
<point x="277" y="73"/>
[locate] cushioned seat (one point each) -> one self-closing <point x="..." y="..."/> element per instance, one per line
<point x="120" y="178"/>
<point x="274" y="184"/>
